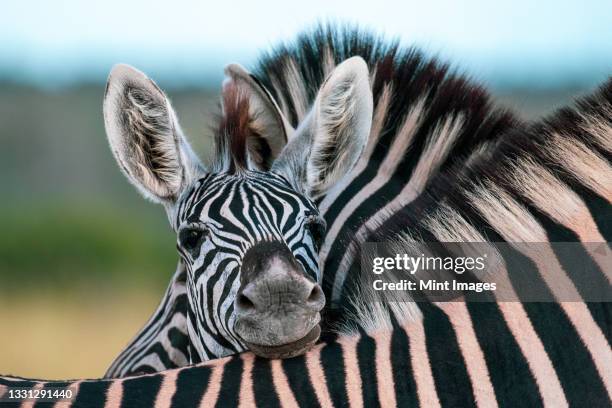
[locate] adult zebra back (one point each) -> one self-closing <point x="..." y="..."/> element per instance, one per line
<point x="424" y="119"/>
<point x="457" y="354"/>
<point x="354" y="371"/>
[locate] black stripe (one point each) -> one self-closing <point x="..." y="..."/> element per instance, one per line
<point x="143" y="369"/>
<point x="450" y="374"/>
<point x="50" y="385"/>
<point x="598" y="206"/>
<point x="577" y="263"/>
<point x="265" y="392"/>
<point x="366" y="358"/>
<point x="92" y="394"/>
<point x="191" y="383"/>
<point x="141" y="391"/>
<point x="575" y="368"/>
<point x="179" y="341"/>
<point x="299" y="381"/>
<point x="523" y="274"/>
<point x="349" y="192"/>
<point x="159" y="350"/>
<point x="194" y="355"/>
<point x="18" y="382"/>
<point x="508" y="369"/>
<point x="403" y="376"/>
<point x="230" y="383"/>
<point x="590" y="282"/>
<point x="334" y="369"/>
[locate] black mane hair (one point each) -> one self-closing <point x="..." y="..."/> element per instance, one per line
<point x="409" y="71"/>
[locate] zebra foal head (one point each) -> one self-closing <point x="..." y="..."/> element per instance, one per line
<point x="247" y="225"/>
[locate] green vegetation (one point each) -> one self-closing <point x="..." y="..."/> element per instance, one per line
<point x="68" y="218"/>
<point x="63" y="247"/>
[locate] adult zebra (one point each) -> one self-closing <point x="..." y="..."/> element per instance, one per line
<point x="457" y="354"/>
<point x="424" y="119"/>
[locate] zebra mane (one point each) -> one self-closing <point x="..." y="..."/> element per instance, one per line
<point x="293" y="72"/>
<point x="403" y="78"/>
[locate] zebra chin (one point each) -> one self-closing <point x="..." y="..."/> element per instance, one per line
<point x="289" y="336"/>
<point x="288" y="350"/>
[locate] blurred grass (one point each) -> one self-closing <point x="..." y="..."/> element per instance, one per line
<point x="83" y="258"/>
<point x="51" y="334"/>
<point x="60" y="247"/>
<point x="76" y="283"/>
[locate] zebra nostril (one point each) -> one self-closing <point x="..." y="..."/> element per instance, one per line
<point x="316" y="296"/>
<point x="244" y="303"/>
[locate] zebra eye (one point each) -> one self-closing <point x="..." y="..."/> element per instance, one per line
<point x="316" y="228"/>
<point x="190" y="238"/>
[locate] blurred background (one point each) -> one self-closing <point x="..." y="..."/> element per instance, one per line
<point x="83" y="258"/>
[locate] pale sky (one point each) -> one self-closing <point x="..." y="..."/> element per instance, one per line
<point x="521" y="41"/>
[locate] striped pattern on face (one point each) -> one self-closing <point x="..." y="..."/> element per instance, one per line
<point x="236" y="211"/>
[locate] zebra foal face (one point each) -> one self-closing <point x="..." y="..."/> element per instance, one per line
<point x="250" y="242"/>
<point x="248" y="229"/>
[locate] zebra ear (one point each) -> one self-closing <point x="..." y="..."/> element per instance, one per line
<point x="270" y="130"/>
<point x="329" y="142"/>
<point x="145" y="136"/>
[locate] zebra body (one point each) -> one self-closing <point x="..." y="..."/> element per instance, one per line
<point x="457" y="354"/>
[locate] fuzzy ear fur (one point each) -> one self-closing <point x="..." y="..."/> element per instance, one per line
<point x="269" y="130"/>
<point x="145" y="136"/>
<point x="335" y="132"/>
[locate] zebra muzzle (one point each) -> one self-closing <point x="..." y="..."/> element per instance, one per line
<point x="277" y="305"/>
